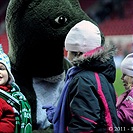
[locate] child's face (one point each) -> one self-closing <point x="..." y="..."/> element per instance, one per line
<point x="127" y="81"/>
<point x="72" y="55"/>
<point x="3" y="74"/>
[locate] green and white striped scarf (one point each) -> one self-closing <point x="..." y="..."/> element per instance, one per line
<point x="21" y="107"/>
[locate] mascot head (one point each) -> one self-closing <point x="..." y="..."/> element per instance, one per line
<point x="36" y="32"/>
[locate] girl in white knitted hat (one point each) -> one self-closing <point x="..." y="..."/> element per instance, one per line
<point x="15" y="112"/>
<point x="125" y="100"/>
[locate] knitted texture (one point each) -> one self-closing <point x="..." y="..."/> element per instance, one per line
<point x="21" y="108"/>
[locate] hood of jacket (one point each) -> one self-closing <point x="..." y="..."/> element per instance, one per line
<point x="99" y="60"/>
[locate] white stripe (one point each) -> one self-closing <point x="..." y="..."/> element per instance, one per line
<point x="11" y="97"/>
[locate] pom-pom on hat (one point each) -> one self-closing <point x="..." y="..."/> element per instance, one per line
<point x="127" y="65"/>
<point x="83" y="37"/>
<point x="4" y="59"/>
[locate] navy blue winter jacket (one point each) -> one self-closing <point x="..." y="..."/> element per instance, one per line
<point x="88" y="103"/>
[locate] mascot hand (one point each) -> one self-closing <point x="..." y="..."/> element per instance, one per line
<point x="50" y="110"/>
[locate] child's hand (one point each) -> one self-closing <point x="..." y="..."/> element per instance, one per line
<point x="50" y="110"/>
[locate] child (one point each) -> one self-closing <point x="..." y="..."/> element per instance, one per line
<point x="88" y="101"/>
<point x="15" y="115"/>
<point x="125" y="100"/>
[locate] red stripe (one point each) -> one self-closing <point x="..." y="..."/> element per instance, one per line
<point x="88" y="120"/>
<point x="107" y="112"/>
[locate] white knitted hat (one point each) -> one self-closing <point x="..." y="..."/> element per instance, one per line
<point x="5" y="60"/>
<point x="83" y="37"/>
<point x="127" y="65"/>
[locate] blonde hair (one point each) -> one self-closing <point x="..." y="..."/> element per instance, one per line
<point x="130" y="82"/>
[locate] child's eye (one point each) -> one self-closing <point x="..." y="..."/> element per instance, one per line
<point x="2" y="68"/>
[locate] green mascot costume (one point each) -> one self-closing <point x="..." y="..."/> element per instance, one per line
<point x="36" y="32"/>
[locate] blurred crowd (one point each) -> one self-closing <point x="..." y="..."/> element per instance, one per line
<point x="123" y="51"/>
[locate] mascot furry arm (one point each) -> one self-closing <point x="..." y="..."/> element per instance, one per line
<point x="36" y="32"/>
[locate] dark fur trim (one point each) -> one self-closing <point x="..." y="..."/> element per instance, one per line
<point x="102" y="54"/>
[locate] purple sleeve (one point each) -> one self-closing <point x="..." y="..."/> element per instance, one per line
<point x="125" y="110"/>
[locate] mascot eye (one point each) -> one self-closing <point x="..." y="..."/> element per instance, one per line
<point x="61" y="20"/>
